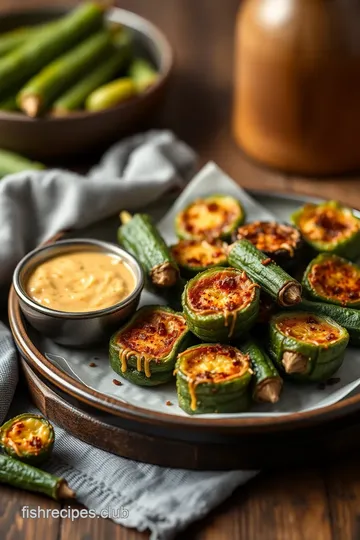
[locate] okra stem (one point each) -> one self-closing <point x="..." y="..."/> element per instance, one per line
<point x="294" y="362"/>
<point x="268" y="391"/>
<point x="64" y="491"/>
<point x="125" y="217"/>
<point x="164" y="275"/>
<point x="18" y="474"/>
<point x="41" y="91"/>
<point x="290" y="294"/>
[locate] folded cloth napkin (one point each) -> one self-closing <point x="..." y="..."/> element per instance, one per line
<point x="33" y="207"/>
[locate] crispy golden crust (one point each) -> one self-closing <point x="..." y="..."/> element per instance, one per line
<point x="327" y="224"/>
<point x="213" y="363"/>
<point x="154" y="334"/>
<point x="29" y="435"/>
<point x="309" y="329"/>
<point x="199" y="253"/>
<point x="224" y="291"/>
<point x="209" y="218"/>
<point x="337" y="279"/>
<point x="270" y="237"/>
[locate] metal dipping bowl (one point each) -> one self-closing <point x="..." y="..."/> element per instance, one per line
<point x="83" y="328"/>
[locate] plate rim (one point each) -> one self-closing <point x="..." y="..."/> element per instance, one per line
<point x="113" y="405"/>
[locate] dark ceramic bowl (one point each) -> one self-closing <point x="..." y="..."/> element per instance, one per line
<point x="81" y="132"/>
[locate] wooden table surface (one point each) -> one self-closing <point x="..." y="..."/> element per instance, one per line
<point x="306" y="504"/>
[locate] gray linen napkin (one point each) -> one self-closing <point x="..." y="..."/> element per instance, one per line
<point x="33" y="207"/>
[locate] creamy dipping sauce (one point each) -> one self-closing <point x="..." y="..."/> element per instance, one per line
<point x="80" y="281"/>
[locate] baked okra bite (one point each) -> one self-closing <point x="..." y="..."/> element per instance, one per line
<point x="221" y="304"/>
<point x="213" y="378"/>
<point x="306" y="346"/>
<point x="194" y="256"/>
<point x="279" y="241"/>
<point x="332" y="279"/>
<point x="28" y="437"/>
<point x="329" y="227"/>
<point x="140" y="237"/>
<point x="267" y="383"/>
<point x="347" y="317"/>
<point x="273" y="279"/>
<point x="144" y="351"/>
<point x="213" y="217"/>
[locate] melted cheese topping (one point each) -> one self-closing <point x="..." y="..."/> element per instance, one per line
<point x="151" y="338"/>
<point x="270" y="236"/>
<point x="199" y="253"/>
<point x="221" y="291"/>
<point x="30" y="435"/>
<point x="327" y="223"/>
<point x="80" y="281"/>
<point x="211" y="364"/>
<point x="210" y="217"/>
<point x="336" y="278"/>
<point x="309" y="329"/>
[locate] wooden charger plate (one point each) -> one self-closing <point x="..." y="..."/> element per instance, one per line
<point x="175" y="440"/>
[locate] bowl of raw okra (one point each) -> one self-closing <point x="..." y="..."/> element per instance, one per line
<point x="76" y="80"/>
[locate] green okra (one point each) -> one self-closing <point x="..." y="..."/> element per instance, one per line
<point x="41" y="91"/>
<point x="267" y="381"/>
<point x="13" y="39"/>
<point x="111" y="94"/>
<point x="9" y="104"/>
<point x="11" y="163"/>
<point x="28" y="437"/>
<point x="279" y="285"/>
<point x="51" y="41"/>
<point x="142" y="73"/>
<point x="347" y="318"/>
<point x="23" y="476"/>
<point x="75" y="97"/>
<point x="306" y="346"/>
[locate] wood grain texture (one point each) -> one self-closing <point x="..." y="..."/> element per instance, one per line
<point x="273" y="506"/>
<point x="13" y="526"/>
<point x="308" y="504"/>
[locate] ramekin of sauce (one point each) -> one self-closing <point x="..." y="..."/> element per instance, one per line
<point x="78" y="291"/>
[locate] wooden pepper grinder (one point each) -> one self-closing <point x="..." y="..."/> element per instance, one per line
<point x="297" y="84"/>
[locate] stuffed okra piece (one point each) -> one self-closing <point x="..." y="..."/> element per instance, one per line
<point x="267" y="383"/>
<point x="330" y="227"/>
<point x="221" y="304"/>
<point x="194" y="256"/>
<point x="217" y="216"/>
<point x="285" y="290"/>
<point x="279" y="241"/>
<point x="334" y="280"/>
<point x="213" y="378"/>
<point x="27" y="437"/>
<point x="347" y="318"/>
<point x="139" y="236"/>
<point x="307" y="347"/>
<point x="144" y="351"/>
